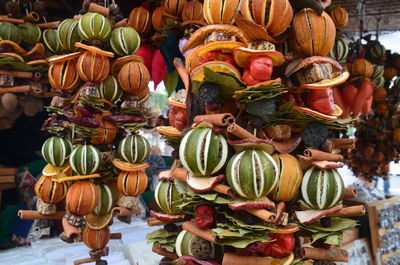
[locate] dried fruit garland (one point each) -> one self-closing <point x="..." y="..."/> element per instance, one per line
<point x="377" y="131"/>
<point x="255" y="178"/>
<point x="23" y="67"/>
<point x="96" y="154"/>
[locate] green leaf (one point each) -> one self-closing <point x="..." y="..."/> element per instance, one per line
<point x="338" y="224"/>
<point x="160" y="233"/>
<point x="171" y="81"/>
<point x="256" y="227"/>
<point x="230" y="235"/>
<point x="260" y="92"/>
<point x="228" y="83"/>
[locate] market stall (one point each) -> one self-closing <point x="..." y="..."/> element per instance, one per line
<point x="222" y="125"/>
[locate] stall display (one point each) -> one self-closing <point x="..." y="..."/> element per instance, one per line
<point x="95" y="152"/>
<point x="384" y="226"/>
<point x="255" y="137"/>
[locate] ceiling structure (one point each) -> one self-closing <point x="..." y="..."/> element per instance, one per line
<point x="385" y="11"/>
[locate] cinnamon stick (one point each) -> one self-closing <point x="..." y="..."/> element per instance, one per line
<point x="222" y="120"/>
<point x="240" y="132"/>
<point x="33" y="215"/>
<point x="49" y="25"/>
<point x="235" y="259"/>
<point x="95" y="8"/>
<point x="332" y="254"/>
<point x="115" y="236"/>
<point x="318" y="155"/>
<point x="83" y="261"/>
<point x="262" y="214"/>
<point x="163" y="252"/>
<point x="344" y="143"/>
<point x="122" y="211"/>
<point x="358" y="210"/>
<point x="154" y="222"/>
<point x="350" y="193"/>
<point x="15" y="89"/>
<point x="32" y="17"/>
<point x="223" y="189"/>
<point x="11" y="20"/>
<point x="205" y="234"/>
<point x="17" y="74"/>
<point x="122" y="23"/>
<point x="321" y="164"/>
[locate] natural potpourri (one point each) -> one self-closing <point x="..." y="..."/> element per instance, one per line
<point x="255" y="179"/>
<point x="95" y="153"/>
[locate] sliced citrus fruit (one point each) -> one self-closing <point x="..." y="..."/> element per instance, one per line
<point x="50" y="170"/>
<point x="216" y="66"/>
<point x="288" y="229"/>
<point x="94" y="49"/>
<point x="64" y="57"/>
<point x="223" y="46"/>
<point x="13" y="55"/>
<point x="327" y="82"/>
<point x="16" y="48"/>
<point x="117" y="64"/>
<point x="168" y="130"/>
<point x="242" y="55"/>
<point x="315" y="113"/>
<point x="37" y="62"/>
<point x="78" y="177"/>
<point x="38" y="48"/>
<point x="338" y="111"/>
<point x="126" y="166"/>
<point x="98" y="221"/>
<point x="176" y="103"/>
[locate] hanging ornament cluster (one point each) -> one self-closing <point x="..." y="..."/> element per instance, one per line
<point x="22" y="61"/>
<point x="96" y="155"/>
<point x="255" y="177"/>
<point x="378" y="129"/>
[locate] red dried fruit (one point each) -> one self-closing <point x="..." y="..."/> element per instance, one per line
<point x="205" y="216"/>
<point x="281" y="247"/>
<point x="251" y="249"/>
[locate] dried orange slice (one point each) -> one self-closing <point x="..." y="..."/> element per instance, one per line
<point x="126" y="166"/>
<point x="16" y="48"/>
<point x="50" y="170"/>
<point x="327" y="82"/>
<point x="117" y="64"/>
<point x="315" y="113"/>
<point x="64" y="57"/>
<point x="168" y="130"/>
<point x="94" y="49"/>
<point x="216" y="66"/>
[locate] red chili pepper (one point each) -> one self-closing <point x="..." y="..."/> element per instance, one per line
<point x="281" y="247"/>
<point x="367" y="106"/>
<point x="337" y="98"/>
<point x="365" y="91"/>
<point x="258" y="69"/>
<point x="349" y="93"/>
<point x="82" y="121"/>
<point x="321" y="100"/>
<point x="261" y="67"/>
<point x="216" y="56"/>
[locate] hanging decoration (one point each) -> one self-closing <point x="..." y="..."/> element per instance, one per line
<point x="255" y="132"/>
<point x="95" y="153"/>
